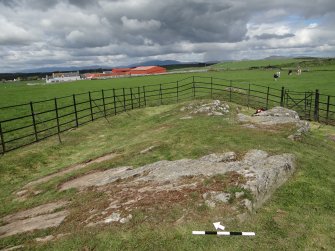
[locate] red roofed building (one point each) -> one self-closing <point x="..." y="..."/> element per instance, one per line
<point x="121" y="71"/>
<point x="141" y="70"/>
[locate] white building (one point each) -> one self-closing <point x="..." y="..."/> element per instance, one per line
<point x="63" y="77"/>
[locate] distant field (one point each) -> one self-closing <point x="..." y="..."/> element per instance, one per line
<point x="316" y="75"/>
<point x="246" y="64"/>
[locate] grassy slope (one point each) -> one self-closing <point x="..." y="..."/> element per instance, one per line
<point x="245" y="64"/>
<point x="299" y="216"/>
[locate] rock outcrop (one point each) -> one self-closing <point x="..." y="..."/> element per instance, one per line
<point x="256" y="173"/>
<point x="248" y="181"/>
<point x="276" y="116"/>
<point x="215" y="108"/>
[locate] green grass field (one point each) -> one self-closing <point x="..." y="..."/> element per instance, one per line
<point x="300" y="215"/>
<point x="319" y="76"/>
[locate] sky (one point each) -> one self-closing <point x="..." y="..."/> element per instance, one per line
<point x="63" y="33"/>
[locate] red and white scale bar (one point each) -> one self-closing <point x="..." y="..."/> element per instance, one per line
<point x="223" y="233"/>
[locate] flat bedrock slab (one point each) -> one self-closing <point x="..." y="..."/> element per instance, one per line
<point x="263" y="173"/>
<point x="30" y="224"/>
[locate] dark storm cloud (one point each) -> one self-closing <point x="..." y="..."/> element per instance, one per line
<point x="197" y="21"/>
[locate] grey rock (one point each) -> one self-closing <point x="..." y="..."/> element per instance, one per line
<point x="45" y="239"/>
<point x="263" y="174"/>
<point x="279" y="111"/>
<point x="248" y="204"/>
<point x="39" y="210"/>
<point x="229" y="156"/>
<point x="274" y="116"/>
<point x="222" y="197"/>
<point x="115" y="217"/>
<point x="214" y="196"/>
<point x="127" y="219"/>
<point x="210" y="203"/>
<point x="13" y="248"/>
<point x="149" y="149"/>
<point x="30" y="224"/>
<point x="215" y="108"/>
<point x="239" y="195"/>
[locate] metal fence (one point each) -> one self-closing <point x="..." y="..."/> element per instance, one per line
<point x="24" y="124"/>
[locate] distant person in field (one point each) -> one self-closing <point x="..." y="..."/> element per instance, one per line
<point x="290" y="72"/>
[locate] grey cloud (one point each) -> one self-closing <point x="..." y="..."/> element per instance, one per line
<point x="84" y="30"/>
<point x="266" y="36"/>
<point x="188" y="21"/>
<point x="82" y="3"/>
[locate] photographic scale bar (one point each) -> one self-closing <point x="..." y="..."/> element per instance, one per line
<point x="223" y="233"/>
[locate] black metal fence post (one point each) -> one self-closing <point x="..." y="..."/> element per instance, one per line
<point x="91" y="108"/>
<point x="267" y="98"/>
<point x="124" y="100"/>
<point x="2" y="140"/>
<point x="144" y="96"/>
<point x="193" y="90"/>
<point x="316" y="105"/>
<point x="103" y="102"/>
<point x="114" y="99"/>
<point x="34" y="121"/>
<point x="75" y="109"/>
<point x="131" y="98"/>
<point x="248" y="99"/>
<point x="57" y="120"/>
<point x="328" y="103"/>
<point x="282" y="96"/>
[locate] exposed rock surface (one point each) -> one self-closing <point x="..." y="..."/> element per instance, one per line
<point x="248" y="181"/>
<point x="67" y="170"/>
<point x="40" y="217"/>
<point x="97" y="178"/>
<point x="216" y="108"/>
<point x="276" y="116"/>
<point x="225" y="157"/>
<point x="129" y="188"/>
<point x="149" y="149"/>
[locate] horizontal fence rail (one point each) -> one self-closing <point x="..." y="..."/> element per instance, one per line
<point x="24" y="124"/>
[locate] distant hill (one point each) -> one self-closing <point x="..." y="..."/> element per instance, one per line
<point x="156" y="62"/>
<point x="98" y="68"/>
<point x="64" y="69"/>
<point x="274" y="57"/>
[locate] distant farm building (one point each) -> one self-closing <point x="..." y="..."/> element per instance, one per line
<point x="124" y="72"/>
<point x="145" y="70"/>
<point x="121" y="71"/>
<point x="63" y="77"/>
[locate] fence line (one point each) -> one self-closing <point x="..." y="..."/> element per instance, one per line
<point x="24" y="124"/>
